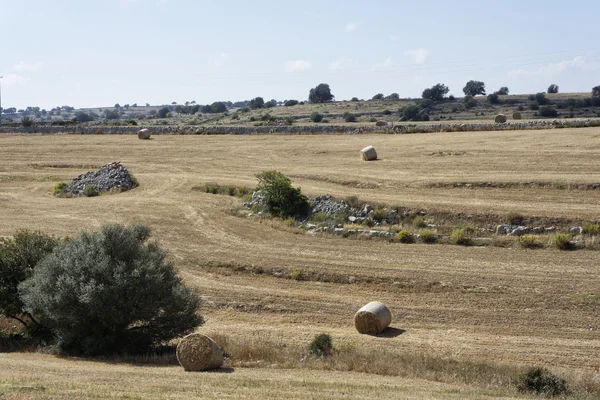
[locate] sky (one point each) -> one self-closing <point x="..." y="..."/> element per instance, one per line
<point x="97" y="53"/>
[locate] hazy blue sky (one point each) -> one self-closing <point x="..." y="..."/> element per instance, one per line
<point x="87" y="53"/>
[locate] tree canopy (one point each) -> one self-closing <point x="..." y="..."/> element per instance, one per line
<point x="473" y="88"/>
<point x="320" y="94"/>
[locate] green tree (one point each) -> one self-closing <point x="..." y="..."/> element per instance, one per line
<point x="320" y="94"/>
<point x="596" y="91"/>
<point x="256" y="103"/>
<point x="281" y="198"/>
<point x="83" y="117"/>
<point x="271" y="104"/>
<point x="316" y="117"/>
<point x="290" y="103"/>
<point x="163" y="112"/>
<point x="553" y="88"/>
<point x="393" y="96"/>
<point x="503" y="91"/>
<point x="473" y="88"/>
<point x="378" y="96"/>
<point x="110" y="292"/>
<point x="218" y="107"/>
<point x="436" y="92"/>
<point x="18" y="258"/>
<point x="541" y="98"/>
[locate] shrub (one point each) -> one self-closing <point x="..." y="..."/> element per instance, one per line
<point x="379" y="214"/>
<point x="405" y="236"/>
<point x="553" y="88"/>
<point x="352" y="201"/>
<point x="90" y="191"/>
<point x="541" y="99"/>
<point x="110" y="292"/>
<point x="19" y="256"/>
<point x="590" y="228"/>
<point x="596" y="91"/>
<point x="515" y="218"/>
<point x="548" y="112"/>
<point x="469" y="101"/>
<point x="58" y="188"/>
<point x="534" y="106"/>
<point x="419" y="222"/>
<point x="372" y="119"/>
<point x="290" y="103"/>
<point x="296" y="274"/>
<point x="387" y="112"/>
<point x="493" y="98"/>
<point x="540" y="381"/>
<point x="322" y="345"/>
<point x="281" y="198"/>
<point x="378" y="96"/>
<point x="427" y="236"/>
<point x="349" y="117"/>
<point x="288" y="121"/>
<point x="460" y="237"/>
<point x="319" y="217"/>
<point x="27" y="121"/>
<point x="529" y="242"/>
<point x="562" y="241"/>
<point x="316" y="117"/>
<point x="354" y="99"/>
<point x="502" y="91"/>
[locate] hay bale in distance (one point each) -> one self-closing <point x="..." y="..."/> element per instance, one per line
<point x="369" y="153"/>
<point x="372" y="318"/>
<point x="144" y="134"/>
<point x="500" y="119"/>
<point x="197" y="352"/>
<point x="516" y="115"/>
<point x="381" y="123"/>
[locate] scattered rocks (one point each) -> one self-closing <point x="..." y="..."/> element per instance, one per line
<point x="519" y="231"/>
<point x="576" y="230"/>
<point x="107" y="177"/>
<point x="327" y="205"/>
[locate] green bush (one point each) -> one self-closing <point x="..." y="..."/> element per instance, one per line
<point x="562" y="241"/>
<point x="349" y="117"/>
<point x="590" y="228"/>
<point x="405" y="236"/>
<point x="548" y="112"/>
<point x="19" y="256"/>
<point x="322" y="345"/>
<point x="469" y="101"/>
<point x="460" y="237"/>
<point x="281" y="198"/>
<point x="387" y="112"/>
<point x="316" y="117"/>
<point x="529" y="242"/>
<point x="296" y="274"/>
<point x="58" y="188"/>
<point x="380" y="214"/>
<point x="419" y="222"/>
<point x="427" y="236"/>
<point x="90" y="191"/>
<point x="110" y="292"/>
<point x="542" y="382"/>
<point x="541" y="99"/>
<point x="319" y="217"/>
<point x="352" y="201"/>
<point x="27" y="121"/>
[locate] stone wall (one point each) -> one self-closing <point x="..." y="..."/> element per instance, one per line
<point x="303" y="129"/>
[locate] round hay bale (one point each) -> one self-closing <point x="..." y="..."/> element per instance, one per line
<point x="381" y="123"/>
<point x="372" y="318"/>
<point x="517" y="115"/>
<point x="144" y="134"/>
<point x="197" y="352"/>
<point x="500" y="119"/>
<point x="369" y="153"/>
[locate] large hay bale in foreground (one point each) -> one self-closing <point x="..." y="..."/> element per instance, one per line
<point x="144" y="134"/>
<point x="197" y="352"/>
<point x="500" y="119"/>
<point x="372" y="318"/>
<point x="369" y="153"/>
<point x="517" y="115"/>
<point x="381" y="123"/>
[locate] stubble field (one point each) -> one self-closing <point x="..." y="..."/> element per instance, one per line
<point x="498" y="306"/>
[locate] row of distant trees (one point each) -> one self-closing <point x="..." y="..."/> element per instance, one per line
<point x="319" y="94"/>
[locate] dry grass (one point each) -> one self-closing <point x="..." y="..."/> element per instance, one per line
<point x="508" y="306"/>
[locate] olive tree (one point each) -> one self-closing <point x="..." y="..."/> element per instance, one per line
<point x="110" y="292"/>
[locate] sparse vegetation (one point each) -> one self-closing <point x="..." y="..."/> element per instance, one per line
<point x="59" y="188"/>
<point x="322" y="345"/>
<point x="405" y="236"/>
<point x="529" y="242"/>
<point x="460" y="237"/>
<point x="427" y="236"/>
<point x="542" y="382"/>
<point x="562" y="241"/>
<point x="90" y="191"/>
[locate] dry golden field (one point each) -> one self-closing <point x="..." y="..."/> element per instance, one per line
<point x="504" y="307"/>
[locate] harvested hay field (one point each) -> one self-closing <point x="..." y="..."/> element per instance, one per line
<point x="507" y="306"/>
